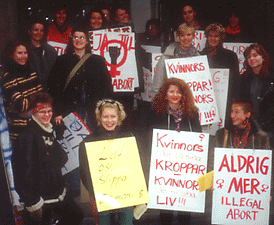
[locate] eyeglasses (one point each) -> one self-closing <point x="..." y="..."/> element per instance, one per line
<point x="44" y="112"/>
<point x="109" y="101"/>
<point x="79" y="38"/>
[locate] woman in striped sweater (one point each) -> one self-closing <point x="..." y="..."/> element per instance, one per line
<point x="19" y="82"/>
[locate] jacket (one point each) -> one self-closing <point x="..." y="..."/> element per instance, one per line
<point x="55" y="35"/>
<point x="49" y="56"/>
<point x="264" y="114"/>
<point x="90" y="84"/>
<point x="166" y="121"/>
<point x="37" y="160"/>
<point x="257" y="139"/>
<point x="160" y="72"/>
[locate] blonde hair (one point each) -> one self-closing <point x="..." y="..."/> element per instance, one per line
<point x="184" y="28"/>
<point x="105" y="103"/>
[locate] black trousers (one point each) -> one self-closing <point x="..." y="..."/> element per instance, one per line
<point x="166" y="217"/>
<point x="66" y="212"/>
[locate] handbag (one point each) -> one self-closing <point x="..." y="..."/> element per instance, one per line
<point x="76" y="68"/>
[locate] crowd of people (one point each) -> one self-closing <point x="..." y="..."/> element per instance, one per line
<point x="40" y="88"/>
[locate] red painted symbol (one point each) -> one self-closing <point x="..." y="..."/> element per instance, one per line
<point x="113" y="68"/>
<point x="264" y="187"/>
<point x="201" y="136"/>
<point x="220" y="183"/>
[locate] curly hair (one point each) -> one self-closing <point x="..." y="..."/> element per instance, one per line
<point x="216" y="27"/>
<point x="159" y="103"/>
<point x="266" y="61"/>
<point x="105" y="103"/>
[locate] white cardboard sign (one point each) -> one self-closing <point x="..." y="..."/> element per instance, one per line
<point x="76" y="131"/>
<point x="242" y="185"/>
<point x="177" y="160"/>
<point x="118" y="49"/>
<point x="195" y="72"/>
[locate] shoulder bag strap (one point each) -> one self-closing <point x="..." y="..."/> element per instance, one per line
<point x="74" y="70"/>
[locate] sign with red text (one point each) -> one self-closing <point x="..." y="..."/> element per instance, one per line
<point x="117" y="176"/>
<point x="178" y="159"/>
<point x="220" y="78"/>
<point x="118" y="49"/>
<point x="59" y="47"/>
<point x="76" y="131"/>
<point x="148" y="75"/>
<point x="126" y="29"/>
<point x="199" y="40"/>
<point x="195" y="72"/>
<point x="242" y="185"/>
<point x="239" y="49"/>
<point x="148" y="79"/>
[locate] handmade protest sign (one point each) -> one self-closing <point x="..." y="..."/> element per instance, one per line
<point x="148" y="79"/>
<point x="76" y="131"/>
<point x="239" y="49"/>
<point x="242" y="185"/>
<point x="59" y="47"/>
<point x="118" y="49"/>
<point x="195" y="72"/>
<point x="148" y="75"/>
<point x="178" y="159"/>
<point x="116" y="172"/>
<point x="220" y="78"/>
<point x="199" y="40"/>
<point x="126" y="29"/>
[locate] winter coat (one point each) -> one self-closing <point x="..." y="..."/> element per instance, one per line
<point x="264" y="114"/>
<point x="37" y="160"/>
<point x="49" y="56"/>
<point x="91" y="83"/>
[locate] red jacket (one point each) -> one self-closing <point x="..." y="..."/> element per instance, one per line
<point x="55" y="35"/>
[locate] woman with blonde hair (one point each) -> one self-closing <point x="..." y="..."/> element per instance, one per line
<point x="109" y="115"/>
<point x="181" y="49"/>
<point x="173" y="108"/>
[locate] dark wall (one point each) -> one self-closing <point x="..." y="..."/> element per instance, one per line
<point x="257" y="17"/>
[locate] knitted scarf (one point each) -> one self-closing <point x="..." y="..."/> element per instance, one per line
<point x="241" y="143"/>
<point x="181" y="53"/>
<point x="177" y="115"/>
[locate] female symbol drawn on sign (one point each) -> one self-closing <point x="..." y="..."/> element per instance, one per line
<point x="114" y="53"/>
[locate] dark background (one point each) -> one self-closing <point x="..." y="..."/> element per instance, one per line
<point x="256" y="17"/>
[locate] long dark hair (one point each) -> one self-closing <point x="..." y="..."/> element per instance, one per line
<point x="266" y="61"/>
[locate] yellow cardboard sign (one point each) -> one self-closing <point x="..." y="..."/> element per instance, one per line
<point x="116" y="172"/>
<point x="205" y="181"/>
